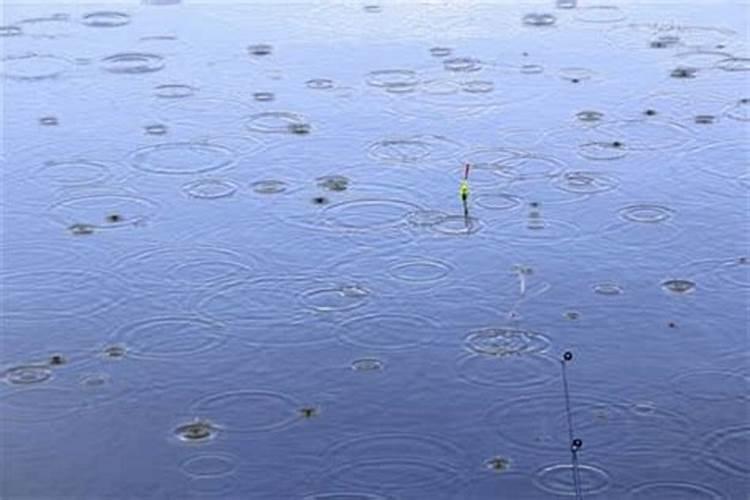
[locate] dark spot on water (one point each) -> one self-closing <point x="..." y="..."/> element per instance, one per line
<point x="683" y="73"/>
<point x="705" y="119"/>
<point x="572" y="315"/>
<point x="299" y="128"/>
<point x="114" y="218"/>
<point x="309" y="411"/>
<point x="650" y="112"/>
<point x="320" y="200"/>
<point x="260" y="49"/>
<point x="114" y="351"/>
<point x="49" y="121"/>
<point x="57" y="360"/>
<point x="617" y="144"/>
<point x="81" y="229"/>
<point x="574" y="80"/>
<point x="497" y="464"/>
<point x="742" y="260"/>
<point x="672" y="324"/>
<point x="534" y="204"/>
<point x="200" y="430"/>
<point x="567" y="356"/>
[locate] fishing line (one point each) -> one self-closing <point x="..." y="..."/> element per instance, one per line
<point x="575" y="443"/>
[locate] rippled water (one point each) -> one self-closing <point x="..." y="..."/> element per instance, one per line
<point x="235" y="263"/>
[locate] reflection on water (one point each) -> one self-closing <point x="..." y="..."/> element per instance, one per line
<point x="236" y="262"/>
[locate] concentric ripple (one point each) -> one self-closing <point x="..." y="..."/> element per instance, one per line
<point x="10" y="30"/>
<point x="462" y="64"/>
<point x="197" y="431"/>
<point x="711" y="385"/>
<point x="413" y="149"/>
<point x="539" y="231"/>
<point x="183" y="266"/>
<point x="608" y="288"/>
<point x="498" y="201"/>
<point x="41" y="404"/>
<point x="67" y="173"/>
<point x="182" y="158"/>
<point x="734" y="64"/>
<point x="210" y="189"/>
<point x="335" y="297"/>
<point x="104" y="211"/>
<point x="506" y="341"/>
<point x="174" y="91"/>
<point x="457" y="225"/>
<point x="367" y="214"/>
<point x="739" y="110"/>
<point x="32" y="67"/>
<point x="726" y="450"/>
<point x="646" y="214"/>
<point x="558" y="480"/>
<point x="678" y="286"/>
<point x="50" y="293"/>
<point x="602" y="150"/>
<point x="666" y="489"/>
<point x="105" y="19"/>
<point x="647" y="135"/>
<point x="392" y="78"/>
<point x="402" y="461"/>
<point x="275" y="122"/>
<point x="209" y="465"/>
<point x="133" y="63"/>
<point x="586" y="182"/>
<point x="420" y="270"/>
<point x="524" y="370"/>
<point x="269" y="186"/>
<point x="27" y="374"/>
<point x="250" y="410"/>
<point x="388" y="331"/>
<point x="170" y="337"/>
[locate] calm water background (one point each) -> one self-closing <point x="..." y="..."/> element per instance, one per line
<point x="170" y="227"/>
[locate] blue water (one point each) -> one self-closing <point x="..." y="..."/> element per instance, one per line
<point x="235" y="263"/>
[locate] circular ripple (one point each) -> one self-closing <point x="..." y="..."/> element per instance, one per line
<point x="31" y="67"/>
<point x="602" y="150"/>
<point x="589" y="116"/>
<point x="170" y="337"/>
<point x="462" y="64"/>
<point x="209" y="465"/>
<point x="683" y="491"/>
<point x="133" y="63"/>
<point x="498" y="201"/>
<point x="506" y="341"/>
<point x="388" y="78"/>
<point x="735" y="272"/>
<point x="457" y="225"/>
<point x="250" y="411"/>
<point x="647" y="135"/>
<point x="368" y="365"/>
<point x="646" y="214"/>
<point x="400" y="473"/>
<point x="275" y="122"/>
<point x="51" y="293"/>
<point x="27" y="374"/>
<point x="40" y="404"/>
<point x="477" y="86"/>
<point x="105" y="19"/>
<point x="586" y="182"/>
<point x="534" y="19"/>
<point x="269" y="186"/>
<point x="519" y="371"/>
<point x="608" y="288"/>
<point x="182" y="158"/>
<point x="539" y="421"/>
<point x="174" y="91"/>
<point x="70" y="173"/>
<point x="367" y="214"/>
<point x="425" y="218"/>
<point x="413" y="149"/>
<point x="576" y="75"/>
<point x="98" y="211"/>
<point x="599" y="14"/>
<point x="320" y="84"/>
<point x="678" y="286"/>
<point x="558" y="479"/>
<point x="210" y="188"/>
<point x="388" y="331"/>
<point x="327" y="298"/>
<point x="441" y="51"/>
<point x="420" y="271"/>
<point x="726" y="450"/>
<point x="182" y="266"/>
<point x="395" y="461"/>
<point x="711" y="385"/>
